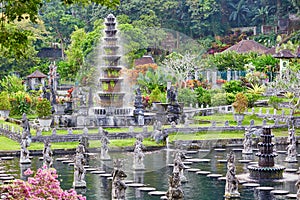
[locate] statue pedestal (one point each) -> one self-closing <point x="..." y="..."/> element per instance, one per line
<point x="104" y="156"/>
<point x="79" y="184"/>
<point x="291" y="159"/>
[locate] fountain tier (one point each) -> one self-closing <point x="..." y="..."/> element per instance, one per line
<point x="266" y="168"/>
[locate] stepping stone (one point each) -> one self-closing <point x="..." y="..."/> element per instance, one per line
<point x="242" y="181"/>
<point x="220" y="150"/>
<point x="110" y="178"/>
<point x="223" y="178"/>
<point x="3" y="175"/>
<point x="194" y="160"/>
<point x="62" y="159"/>
<point x="291" y="196"/>
<point x="7" y="178"/>
<point x="71" y="164"/>
<point x="187" y="163"/>
<point x="67" y="161"/>
<point x="214" y="175"/>
<point x="135" y="184"/>
<point x="128" y="181"/>
<point x="251" y="185"/>
<point x="281" y="152"/>
<point x="290" y="170"/>
<point x="7" y="158"/>
<point x="86" y="166"/>
<point x="164" y="197"/>
<point x="245" y="161"/>
<point x="41" y="158"/>
<point x="265" y="188"/>
<point x="91" y="169"/>
<point x="97" y="172"/>
<point x="105" y="175"/>
<point x="7" y="182"/>
<point x="204" y="150"/>
<point x="170" y="165"/>
<point x="253" y="163"/>
<point x="222" y="161"/>
<point x="157" y="193"/>
<point x="279" y="192"/>
<point x="146" y="189"/>
<point x="204" y="160"/>
<point x="193" y="170"/>
<point x="237" y="149"/>
<point x="255" y="149"/>
<point x="191" y="152"/>
<point x="203" y="172"/>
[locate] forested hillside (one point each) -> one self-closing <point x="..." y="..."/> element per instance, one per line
<point x="76" y="28"/>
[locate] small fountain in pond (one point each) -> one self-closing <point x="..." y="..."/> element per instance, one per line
<point x="179" y="166"/>
<point x="104" y="146"/>
<point x="247" y="143"/>
<point x="25" y="141"/>
<point x="291" y="148"/>
<point x="118" y="185"/>
<point x="231" y="187"/>
<point x="266" y="168"/>
<point x="79" y="171"/>
<point x="174" y="191"/>
<point x="138" y="160"/>
<point x="111" y="111"/>
<point x="47" y="154"/>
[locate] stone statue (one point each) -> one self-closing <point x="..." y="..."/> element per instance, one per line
<point x="179" y="166"/>
<point x="231" y="187"/>
<point x="174" y="191"/>
<point x="118" y="184"/>
<point x="138" y="154"/>
<point x="291" y="152"/>
<point x="79" y="171"/>
<point x="47" y="154"/>
<point x="104" y="146"/>
<point x="247" y="143"/>
<point x="24" y="156"/>
<point x="25" y="140"/>
<point x="26" y="126"/>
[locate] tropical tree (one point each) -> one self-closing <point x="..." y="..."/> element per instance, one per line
<point x="180" y="66"/>
<point x="239" y="12"/>
<point x="262" y="14"/>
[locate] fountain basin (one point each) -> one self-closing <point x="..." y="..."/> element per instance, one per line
<point x="257" y="172"/>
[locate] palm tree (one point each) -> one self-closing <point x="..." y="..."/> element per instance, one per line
<point x="263" y="13"/>
<point x="239" y="13"/>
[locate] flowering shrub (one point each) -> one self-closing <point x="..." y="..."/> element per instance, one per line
<point x="44" y="185"/>
<point x="21" y="102"/>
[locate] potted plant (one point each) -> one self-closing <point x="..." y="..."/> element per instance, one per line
<point x="5" y="105"/>
<point x="240" y="105"/>
<point x="43" y="110"/>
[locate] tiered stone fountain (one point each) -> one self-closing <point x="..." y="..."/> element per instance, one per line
<point x="111" y="95"/>
<point x="266" y="168"/>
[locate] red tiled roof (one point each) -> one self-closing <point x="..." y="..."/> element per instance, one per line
<point x="37" y="74"/>
<point x="144" y="60"/>
<point x="246" y="46"/>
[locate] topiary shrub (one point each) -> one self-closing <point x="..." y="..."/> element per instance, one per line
<point x="43" y="108"/>
<point x="203" y="96"/>
<point x="241" y="103"/>
<point x="187" y="96"/>
<point x="218" y="99"/>
<point x="233" y="86"/>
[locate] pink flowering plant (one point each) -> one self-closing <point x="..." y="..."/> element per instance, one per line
<point x="44" y="185"/>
